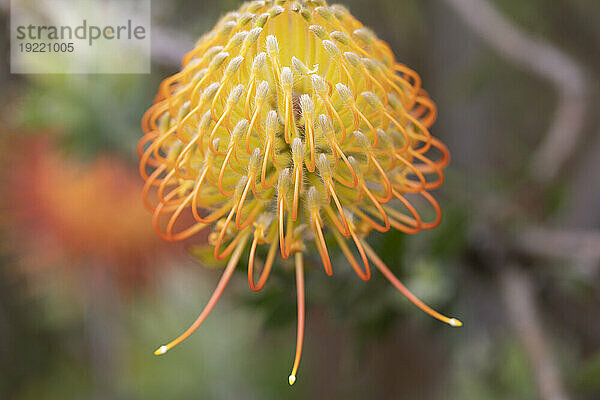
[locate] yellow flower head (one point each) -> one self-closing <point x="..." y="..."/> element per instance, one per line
<point x="289" y="123"/>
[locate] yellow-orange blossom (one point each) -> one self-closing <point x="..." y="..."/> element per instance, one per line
<point x="290" y="123"/>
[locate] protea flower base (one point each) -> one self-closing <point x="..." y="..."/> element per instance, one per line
<point x="291" y="124"/>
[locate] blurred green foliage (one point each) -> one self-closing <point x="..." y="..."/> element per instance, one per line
<point x="93" y="113"/>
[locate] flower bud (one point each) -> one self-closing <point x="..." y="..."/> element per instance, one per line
<point x="164" y="122"/>
<point x="227" y="27"/>
<point x="255" y="6"/>
<point x="252" y="36"/>
<point x="210" y="54"/>
<point x="385" y="140"/>
<point x="240" y="129"/>
<point x="365" y="35"/>
<point x="216" y="62"/>
<point x="259" y="62"/>
<point x="205" y="122"/>
<point x="324" y="167"/>
<point x="341" y="37"/>
<point x="254" y="163"/>
<point x="373" y="100"/>
<point x="339" y="11"/>
<point x="272" y="125"/>
<point x="262" y="92"/>
<point x="284" y="182"/>
<point x="233" y="66"/>
<point x="326" y="126"/>
<point x="275" y="11"/>
<point x="370" y="64"/>
<point x="287" y="78"/>
<point x="272" y="46"/>
<point x="307" y="106"/>
<point x="318" y="31"/>
<point x="297" y="152"/>
<point x="239" y="189"/>
<point x="299" y="67"/>
<point x="209" y="92"/>
<point x="325" y="13"/>
<point x="307" y="15"/>
<point x="235" y="95"/>
<point x="331" y="48"/>
<point x="261" y="20"/>
<point x="236" y="40"/>
<point x="245" y="18"/>
<point x="345" y="93"/>
<point x="183" y="110"/>
<point x="362" y="140"/>
<point x="319" y="85"/>
<point x="312" y="199"/>
<point x="352" y="58"/>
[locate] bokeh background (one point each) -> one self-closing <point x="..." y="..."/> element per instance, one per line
<point x="87" y="291"/>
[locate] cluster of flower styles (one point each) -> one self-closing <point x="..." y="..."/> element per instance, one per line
<point x="289" y="124"/>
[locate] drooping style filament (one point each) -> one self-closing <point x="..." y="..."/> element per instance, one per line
<point x="233" y="261"/>
<point x="301" y="305"/>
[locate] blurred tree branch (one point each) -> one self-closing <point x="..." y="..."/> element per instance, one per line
<point x="558" y="145"/>
<point x="517" y="291"/>
<point x="542" y="59"/>
<point x="582" y="245"/>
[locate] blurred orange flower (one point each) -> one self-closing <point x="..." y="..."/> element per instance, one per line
<point x="78" y="212"/>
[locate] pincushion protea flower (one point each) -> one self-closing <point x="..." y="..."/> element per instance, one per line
<point x="289" y="124"/>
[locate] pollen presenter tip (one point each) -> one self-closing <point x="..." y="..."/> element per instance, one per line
<point x="292" y="379"/>
<point x="161" y="350"/>
<point x="454" y="322"/>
